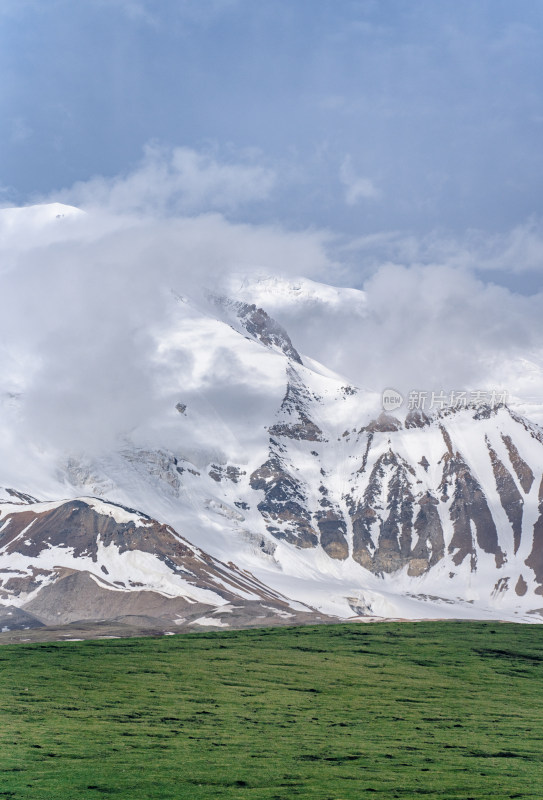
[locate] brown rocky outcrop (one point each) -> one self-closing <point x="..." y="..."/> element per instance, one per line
<point x="523" y="471"/>
<point x="385" y="423"/>
<point x="284" y="507"/>
<point x="392" y="525"/>
<point x="510" y="496"/>
<point x="535" y="559"/>
<point x="469" y="507"/>
<point x="430" y="546"/>
<point x="416" y="418"/>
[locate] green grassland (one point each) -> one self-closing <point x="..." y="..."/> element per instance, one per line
<point x="390" y="710"/>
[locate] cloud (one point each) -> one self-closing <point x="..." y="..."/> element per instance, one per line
<point x="91" y="295"/>
<point x="515" y="251"/>
<point x="436" y="327"/>
<point x="356" y="188"/>
<point x="427" y="327"/>
<point x="520" y="250"/>
<point x="176" y="180"/>
<point x="90" y="301"/>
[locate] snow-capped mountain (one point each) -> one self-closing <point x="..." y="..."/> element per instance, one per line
<point x="86" y="559"/>
<point x="265" y="482"/>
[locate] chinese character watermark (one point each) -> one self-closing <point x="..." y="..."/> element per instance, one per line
<point x="427" y="401"/>
<point x="418" y="400"/>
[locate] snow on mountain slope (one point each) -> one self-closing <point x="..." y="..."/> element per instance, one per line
<point x="32" y="217"/>
<point x="349" y="511"/>
<point x="22" y="228"/>
<point x="89" y="559"/>
<point x="296" y="477"/>
<point x="279" y="293"/>
<point x="268" y="462"/>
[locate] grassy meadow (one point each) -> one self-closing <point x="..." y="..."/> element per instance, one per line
<point x="389" y="710"/>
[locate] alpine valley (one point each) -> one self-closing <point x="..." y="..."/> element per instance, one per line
<point x="265" y="489"/>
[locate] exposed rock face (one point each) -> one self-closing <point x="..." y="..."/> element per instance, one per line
<point x="260" y="326"/>
<point x="485" y="411"/>
<point x="286" y="512"/>
<point x="395" y="515"/>
<point x="430" y="547"/>
<point x="510" y="496"/>
<point x="383" y="521"/>
<point x="74" y="522"/>
<point x="77" y="596"/>
<point x="284" y="507"/>
<point x="333" y="531"/>
<point x="424" y="463"/>
<point x="80" y="559"/>
<point x="23" y="582"/>
<point x="523" y="471"/>
<point x="225" y="472"/>
<point x="332" y="527"/>
<point x="469" y="507"/>
<point x="535" y="559"/>
<point x="303" y="428"/>
<point x="19" y="496"/>
<point x="416" y="419"/>
<point x="294" y="420"/>
<point x="384" y="423"/>
<point x="383" y="527"/>
<point x="447" y="440"/>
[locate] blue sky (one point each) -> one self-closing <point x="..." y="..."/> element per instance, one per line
<point x="361" y="117"/>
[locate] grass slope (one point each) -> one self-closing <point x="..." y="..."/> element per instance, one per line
<point x="343" y="712"/>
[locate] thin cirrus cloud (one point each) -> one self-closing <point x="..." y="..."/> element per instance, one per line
<point x="516" y="252"/>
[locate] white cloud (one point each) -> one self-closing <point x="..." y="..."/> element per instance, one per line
<point x="520" y="250"/>
<point x="424" y="328"/>
<point x="179" y="180"/>
<point x="88" y="294"/>
<point x="356" y="188"/>
<point x="85" y="301"/>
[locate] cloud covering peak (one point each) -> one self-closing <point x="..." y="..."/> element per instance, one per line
<point x="92" y="295"/>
